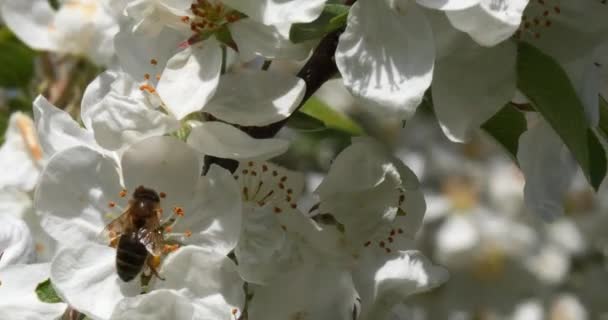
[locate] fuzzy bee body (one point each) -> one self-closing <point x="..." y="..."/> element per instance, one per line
<point x="137" y="233"/>
<point x="131" y="256"/>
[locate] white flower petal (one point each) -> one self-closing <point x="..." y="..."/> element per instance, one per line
<point x="383" y="283"/>
<point x="307" y="292"/>
<point x="119" y="121"/>
<point x="18" y="299"/>
<point x="373" y="164"/>
<point x="448" y="4"/>
<point x="57" y="130"/>
<point x="15" y="202"/>
<point x="85" y="277"/>
<point x="164" y="164"/>
<point x="190" y="78"/>
<point x="31" y="21"/>
<point x="73" y="194"/>
<point x="207" y="278"/>
<point x="156" y="305"/>
<point x="225" y="141"/>
<point x="279" y="11"/>
<point x="490" y="22"/>
<point x="140" y="54"/>
<point x="94" y="93"/>
<point x="256" y="98"/>
<point x="371" y="198"/>
<point x="21" y="154"/>
<point x="261" y="244"/>
<point x="471" y="85"/>
<point x="255" y="39"/>
<point x="386" y="58"/>
<point x="548" y="168"/>
<point x="16" y="245"/>
<point x="214" y="216"/>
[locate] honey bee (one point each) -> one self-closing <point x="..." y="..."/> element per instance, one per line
<point x="137" y="234"/>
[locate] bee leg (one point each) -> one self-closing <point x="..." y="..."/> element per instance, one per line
<point x="153" y="262"/>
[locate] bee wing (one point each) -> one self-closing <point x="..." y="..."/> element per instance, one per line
<point x="151" y="237"/>
<point x="115" y="228"/>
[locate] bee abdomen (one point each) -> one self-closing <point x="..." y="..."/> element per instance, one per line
<point x="130" y="257"/>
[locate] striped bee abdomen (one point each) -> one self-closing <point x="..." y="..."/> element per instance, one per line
<point x="130" y="256"/>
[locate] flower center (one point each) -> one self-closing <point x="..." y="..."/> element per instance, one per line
<point x="266" y="185"/>
<point x="151" y="78"/>
<point x="170" y="240"/>
<point x="538" y="17"/>
<point x="209" y="16"/>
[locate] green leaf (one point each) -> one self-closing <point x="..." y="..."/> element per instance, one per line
<point x="17" y="61"/>
<point x="331" y="118"/>
<point x="549" y="89"/>
<point x="46" y="292"/>
<point x="505" y="127"/>
<point x="302" y="122"/>
<point x="332" y="18"/>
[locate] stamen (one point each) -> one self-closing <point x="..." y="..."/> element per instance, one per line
<point x="153" y="62"/>
<point x="111" y="204"/>
<point x="168" y="248"/>
<point x="122" y="193"/>
<point x="147" y="87"/>
<point x="178" y="211"/>
<point x="162" y="194"/>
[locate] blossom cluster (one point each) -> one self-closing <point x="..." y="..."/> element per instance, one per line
<point x="195" y="102"/>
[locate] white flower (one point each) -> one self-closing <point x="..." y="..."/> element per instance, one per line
<point x="18" y="298"/>
<point x="16" y="244"/>
<point x="382" y="197"/>
<point x="89" y="185"/>
<point x="78" y="27"/>
<point x="372" y="208"/>
<point x="21" y="154"/>
<point x="91" y="191"/>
